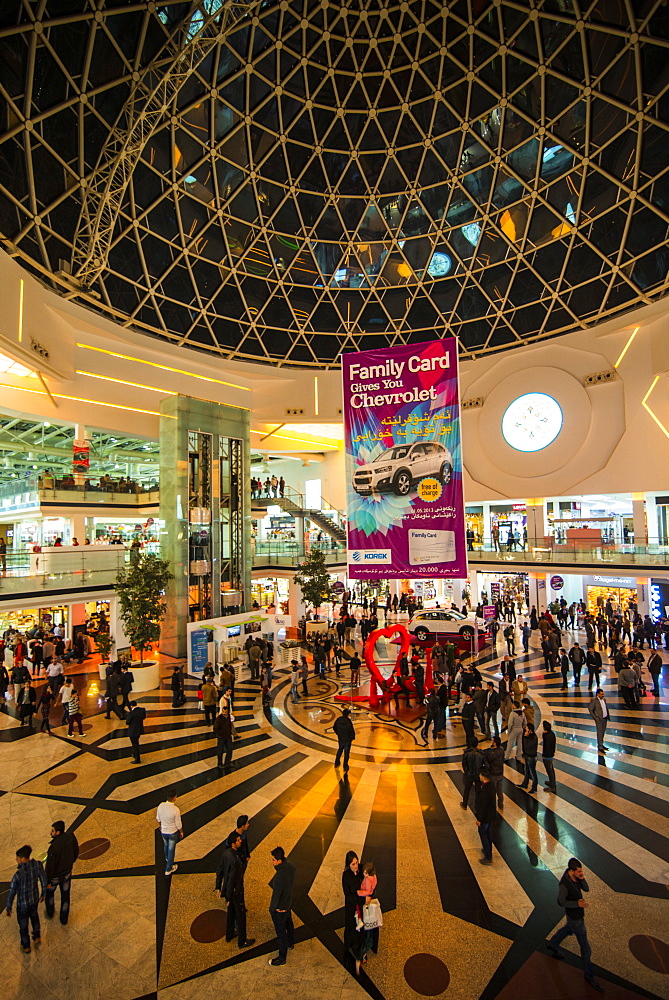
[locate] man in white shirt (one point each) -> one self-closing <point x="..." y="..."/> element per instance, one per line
<point x="64" y="696"/>
<point x="600" y="712"/>
<point x="54" y="673"/>
<point x="169" y="817"/>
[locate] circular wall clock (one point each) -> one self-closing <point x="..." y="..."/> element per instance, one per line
<point x="532" y="422"/>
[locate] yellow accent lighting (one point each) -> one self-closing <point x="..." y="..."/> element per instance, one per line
<point x="165" y="368"/>
<point x="627" y="346"/>
<point x="644" y="403"/>
<point x="94" y="402"/>
<point x="21" y="290"/>
<point x="135" y="385"/>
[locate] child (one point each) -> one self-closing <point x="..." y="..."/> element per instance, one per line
<point x="28" y="886"/>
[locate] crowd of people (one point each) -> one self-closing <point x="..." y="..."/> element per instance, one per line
<point x="104" y="484"/>
<point x="271" y="487"/>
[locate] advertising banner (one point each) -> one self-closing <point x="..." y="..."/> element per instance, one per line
<point x="80" y="456"/>
<point x="404" y="462"/>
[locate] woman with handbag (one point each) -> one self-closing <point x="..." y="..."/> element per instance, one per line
<point x="368" y="937"/>
<point x="351" y="881"/>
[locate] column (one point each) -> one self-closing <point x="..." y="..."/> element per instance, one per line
<point x="78" y="527"/>
<point x="652" y="526"/>
<point x="643" y="594"/>
<point x="535" y="508"/>
<point x="296" y="605"/>
<point x="487" y="537"/>
<point x="639" y="519"/>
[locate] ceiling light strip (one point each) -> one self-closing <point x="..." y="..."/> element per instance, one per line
<point x="283" y="437"/>
<point x="627" y="346"/>
<point x="135" y="385"/>
<point x="165" y="368"/>
<point x="648" y="409"/>
<point x="94" y="402"/>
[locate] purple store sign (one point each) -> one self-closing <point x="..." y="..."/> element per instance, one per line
<point x="404" y="462"/>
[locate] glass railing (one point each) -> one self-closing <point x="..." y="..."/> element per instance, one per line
<point x="94" y="566"/>
<point x="288" y="552"/>
<point x="26" y="493"/>
<point x="300" y="501"/>
<point x="654" y="552"/>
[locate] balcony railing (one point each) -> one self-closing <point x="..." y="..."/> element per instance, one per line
<point x="289" y="552"/>
<point x="27" y="493"/>
<point x="652" y="553"/>
<point x="93" y="567"/>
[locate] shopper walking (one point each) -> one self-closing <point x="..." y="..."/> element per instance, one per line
<point x="223" y="734"/>
<point x="599" y="711"/>
<point x="345" y="733"/>
<point x="62" y="853"/>
<point x="655" y="670"/>
<point x="171" y="830"/>
<point x="530" y="750"/>
<point x="127" y="680"/>
<point x="593" y="661"/>
<point x="494" y="762"/>
<point x="44" y="706"/>
<point x="548" y="743"/>
<point x="281" y="903"/>
<point x="27" y="887"/>
<point x="209" y="702"/>
<point x="64" y="698"/>
<point x="135" y="723"/>
<point x="295" y="680"/>
<point x="25" y="703"/>
<point x="577" y="660"/>
<point x="514" y="731"/>
<point x="74" y="713"/>
<point x="570" y="897"/>
<point x="486" y="813"/>
<point x="232" y="890"/>
<point x="467" y="716"/>
<point x="472" y="765"/>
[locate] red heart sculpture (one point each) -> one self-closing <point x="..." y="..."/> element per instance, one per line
<point x="376" y="677"/>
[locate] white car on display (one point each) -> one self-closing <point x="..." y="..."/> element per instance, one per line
<point x="398" y="468"/>
<point x="444" y="622"/>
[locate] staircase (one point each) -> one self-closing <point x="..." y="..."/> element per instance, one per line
<point x="294" y="505"/>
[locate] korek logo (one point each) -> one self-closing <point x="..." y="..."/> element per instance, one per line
<point x="371" y="556"/>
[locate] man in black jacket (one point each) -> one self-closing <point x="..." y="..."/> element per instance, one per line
<point x="114" y="693"/>
<point x="127" y="680"/>
<point x="530" y="750"/>
<point x="593" y="660"/>
<point x="468" y="715"/>
<point x="63" y="852"/>
<point x="135" y="723"/>
<point x="486" y="813"/>
<point x="345" y="733"/>
<point x="230" y="885"/>
<point x="472" y="763"/>
<point x="223" y="734"/>
<point x="491" y="708"/>
<point x="577" y="659"/>
<point x="281" y="903"/>
<point x="494" y="761"/>
<point x="570" y="896"/>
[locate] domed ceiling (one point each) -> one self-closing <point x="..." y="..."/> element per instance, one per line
<point x="284" y="181"/>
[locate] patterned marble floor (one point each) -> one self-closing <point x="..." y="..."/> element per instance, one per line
<point x="452" y="928"/>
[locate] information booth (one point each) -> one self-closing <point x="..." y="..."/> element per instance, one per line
<point x="221" y="641"/>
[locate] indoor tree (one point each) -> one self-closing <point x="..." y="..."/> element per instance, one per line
<point x="140" y="587"/>
<point x="313" y="579"/>
<point x="103" y="644"/>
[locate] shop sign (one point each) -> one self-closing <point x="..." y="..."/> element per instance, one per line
<point x="489" y="612"/>
<point x="338" y="587"/>
<point x="625" y="582"/>
<point x="199" y="650"/>
<point x="495" y="590"/>
<point x="518" y="506"/>
<point x="557" y="583"/>
<point x="404" y="462"/>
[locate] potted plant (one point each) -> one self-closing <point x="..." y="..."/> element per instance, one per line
<point x="313" y="579"/>
<point x="104" y="645"/>
<point x="140" y="587"/>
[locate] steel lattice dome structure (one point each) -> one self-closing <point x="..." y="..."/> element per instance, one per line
<point x="280" y="182"/>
